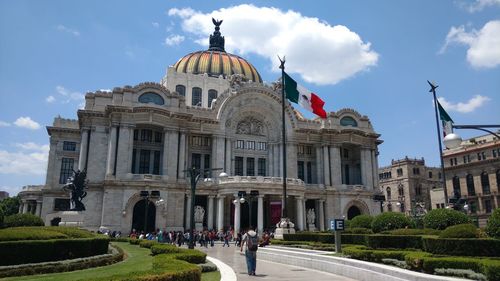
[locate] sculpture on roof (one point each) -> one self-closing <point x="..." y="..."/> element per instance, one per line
<point x="77" y="184"/>
<point x="216" y="40"/>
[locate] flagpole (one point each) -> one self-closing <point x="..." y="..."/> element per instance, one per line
<point x="433" y="90"/>
<point x="284" y="213"/>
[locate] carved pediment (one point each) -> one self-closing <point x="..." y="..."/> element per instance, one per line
<point x="250" y="126"/>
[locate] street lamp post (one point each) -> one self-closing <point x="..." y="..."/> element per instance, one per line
<point x="146" y="195"/>
<point x="243" y="197"/>
<point x="195" y="174"/>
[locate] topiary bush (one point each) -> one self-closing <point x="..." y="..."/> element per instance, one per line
<point x="361" y="221"/>
<point x="493" y="225"/>
<point x="460" y="231"/>
<point x="23" y="220"/>
<point x="390" y="221"/>
<point x="413" y="231"/>
<point x="442" y="218"/>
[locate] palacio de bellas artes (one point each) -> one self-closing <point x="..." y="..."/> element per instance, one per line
<point x="213" y="112"/>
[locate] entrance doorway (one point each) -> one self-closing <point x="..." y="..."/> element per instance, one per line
<point x="139" y="218"/>
<point x="353" y="212"/>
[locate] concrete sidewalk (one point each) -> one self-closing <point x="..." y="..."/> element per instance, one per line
<point x="266" y="270"/>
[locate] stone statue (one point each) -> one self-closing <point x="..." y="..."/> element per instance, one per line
<point x="311" y="216"/>
<point x="216" y="40"/>
<point x="250" y="126"/>
<point x="199" y="214"/>
<point x="236" y="81"/>
<point x="77" y="185"/>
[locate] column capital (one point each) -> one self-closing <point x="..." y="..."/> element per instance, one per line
<point x="211" y="196"/>
<point x="221" y="196"/>
<point x="321" y="200"/>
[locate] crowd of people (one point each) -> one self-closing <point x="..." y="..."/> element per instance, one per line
<point x="203" y="238"/>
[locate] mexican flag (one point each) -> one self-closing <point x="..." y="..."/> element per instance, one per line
<point x="446" y="120"/>
<point x="305" y="98"/>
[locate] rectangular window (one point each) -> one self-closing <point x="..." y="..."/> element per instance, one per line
<point x="346" y="153"/>
<point x="134" y="159"/>
<point x="156" y="162"/>
<point x="300" y="170"/>
<point x="400" y="172"/>
<point x="144" y="158"/>
<point x="146" y="135"/>
<point x="240" y="144"/>
<point x="262" y="146"/>
<point x="261" y="167"/>
<point x="196" y="160"/>
<point x="250" y="145"/>
<point x="430" y="175"/>
<point x="250" y="166"/>
<point x="309" y="172"/>
<point x="206" y="141"/>
<point x="487" y="206"/>
<point x="136" y="134"/>
<point x="238" y="166"/>
<point x="158" y="137"/>
<point x="300" y="149"/>
<point x="437" y="206"/>
<point x="494" y="153"/>
<point x="66" y="169"/>
<point x="69" y="145"/>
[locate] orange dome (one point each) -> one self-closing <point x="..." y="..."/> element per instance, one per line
<point x="216" y="63"/>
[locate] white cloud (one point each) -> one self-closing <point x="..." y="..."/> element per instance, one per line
<point x="50" y="99"/>
<point x="155" y="24"/>
<point x="4" y="124"/>
<point x="484" y="45"/>
<point x="469" y="106"/>
<point x="479" y="5"/>
<point x="31" y="159"/>
<point x="27" y="122"/>
<point x="319" y="52"/>
<point x="174" y="39"/>
<point x="71" y="31"/>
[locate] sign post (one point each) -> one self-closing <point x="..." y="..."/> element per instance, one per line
<point x="337" y="225"/>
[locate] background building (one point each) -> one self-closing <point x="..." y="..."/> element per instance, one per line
<point x="3" y="195"/>
<point x="211" y="110"/>
<point x="473" y="176"/>
<point x="407" y="184"/>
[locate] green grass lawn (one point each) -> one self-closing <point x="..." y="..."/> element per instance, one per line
<point x="139" y="259"/>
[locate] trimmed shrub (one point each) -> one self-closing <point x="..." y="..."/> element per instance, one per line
<point x="415" y="260"/>
<point x="44" y="233"/>
<point x="191" y="256"/>
<point x="135" y="241"/>
<point x="164" y="249"/>
<point x="361" y="221"/>
<point x="460" y="231"/>
<point x="358" y="230"/>
<point x="147" y="243"/>
<point x="412" y="231"/>
<point x="359" y="239"/>
<point x="328" y="238"/>
<point x="430" y="264"/>
<point x="22" y="220"/>
<point x="366" y="254"/>
<point x="493" y="225"/>
<point x="443" y="218"/>
<point x="462" y="246"/>
<point x="19" y="252"/>
<point x="390" y="221"/>
<point x="394" y="241"/>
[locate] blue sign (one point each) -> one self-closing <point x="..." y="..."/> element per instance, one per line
<point x="337" y="224"/>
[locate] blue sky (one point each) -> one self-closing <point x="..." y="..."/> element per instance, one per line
<point x="372" y="56"/>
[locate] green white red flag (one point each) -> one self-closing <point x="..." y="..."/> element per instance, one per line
<point x="305" y="98"/>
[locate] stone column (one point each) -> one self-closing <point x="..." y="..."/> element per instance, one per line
<point x="188" y="212"/>
<point x="227" y="164"/>
<point x="38" y="211"/>
<point x="300" y="215"/>
<point x="220" y="212"/>
<point x="495" y="200"/>
<point x="480" y="204"/>
<point x="210" y="216"/>
<point x="260" y="214"/>
<point x="166" y="153"/>
<point x="326" y="166"/>
<point x="237" y="217"/>
<point x="25" y="207"/>
<point x="366" y="168"/>
<point x="84" y="146"/>
<point x="276" y="160"/>
<point x="319" y="167"/>
<point x="335" y="162"/>
<point x="111" y="151"/>
<point x="172" y="154"/>
<point x="21" y="208"/>
<point x="182" y="156"/>
<point x="291" y="159"/>
<point x="125" y="150"/>
<point x="321" y="212"/>
<point x="374" y="169"/>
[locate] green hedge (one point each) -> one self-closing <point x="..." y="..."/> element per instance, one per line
<point x="358" y="230"/>
<point x="117" y="255"/>
<point x="189" y="255"/>
<point x="460" y="231"/>
<point x="366" y="254"/>
<point x="19" y="252"/>
<point x="147" y="243"/>
<point x="359" y="239"/>
<point x="390" y="221"/>
<point x="165" y="249"/>
<point x="394" y="241"/>
<point x="412" y="231"/>
<point x="43" y="233"/>
<point x="442" y="218"/>
<point x="462" y="246"/>
<point x="493" y="225"/>
<point x="328" y="238"/>
<point x="22" y="220"/>
<point x="361" y="221"/>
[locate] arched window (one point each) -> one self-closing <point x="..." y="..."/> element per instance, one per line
<point x="181" y="89"/>
<point x="469" y="179"/>
<point x="212" y="95"/>
<point x="485" y="183"/>
<point x="348" y="121"/>
<point x="388" y="193"/>
<point x="151" y="98"/>
<point x="196" y="97"/>
<point x="456" y="186"/>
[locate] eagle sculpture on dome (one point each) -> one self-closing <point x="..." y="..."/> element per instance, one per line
<point x="216" y="40"/>
<point x="217" y="23"/>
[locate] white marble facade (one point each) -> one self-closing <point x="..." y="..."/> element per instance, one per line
<point x="143" y="137"/>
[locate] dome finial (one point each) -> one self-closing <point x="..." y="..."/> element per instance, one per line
<point x="216" y="40"/>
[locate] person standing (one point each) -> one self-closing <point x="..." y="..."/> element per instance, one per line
<point x="250" y="241"/>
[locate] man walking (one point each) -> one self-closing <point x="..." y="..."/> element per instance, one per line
<point x="250" y="241"/>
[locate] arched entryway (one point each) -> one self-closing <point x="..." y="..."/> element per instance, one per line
<point x="353" y="212"/>
<point x="139" y="217"/>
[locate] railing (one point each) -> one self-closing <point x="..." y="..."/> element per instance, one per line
<point x="259" y="179"/>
